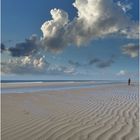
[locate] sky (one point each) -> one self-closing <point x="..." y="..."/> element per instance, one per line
<point x="66" y="40"/>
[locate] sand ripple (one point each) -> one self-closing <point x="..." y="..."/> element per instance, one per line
<point x="105" y="113"/>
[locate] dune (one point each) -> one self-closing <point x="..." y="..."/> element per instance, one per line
<point x="109" y="112"/>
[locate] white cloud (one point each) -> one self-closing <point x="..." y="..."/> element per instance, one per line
<point x="60" y="69"/>
<point x="53" y="31"/>
<point x="122" y="73"/>
<point x="125" y="6"/>
<point x="34" y="65"/>
<point x="131" y="32"/>
<point x="128" y="74"/>
<point x="131" y="49"/>
<point x="96" y="18"/>
<point x="28" y="65"/>
<point x="69" y="70"/>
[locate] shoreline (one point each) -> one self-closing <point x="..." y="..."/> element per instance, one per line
<point x="39" y="87"/>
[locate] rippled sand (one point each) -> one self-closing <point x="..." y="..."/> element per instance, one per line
<point x="107" y="112"/>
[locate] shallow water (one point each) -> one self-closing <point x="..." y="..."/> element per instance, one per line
<point x="51" y="88"/>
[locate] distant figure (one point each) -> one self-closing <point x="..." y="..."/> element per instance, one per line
<point x="129" y="81"/>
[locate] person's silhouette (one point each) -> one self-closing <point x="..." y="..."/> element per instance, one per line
<point x="129" y="81"/>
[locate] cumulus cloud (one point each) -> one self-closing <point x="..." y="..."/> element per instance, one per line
<point x="30" y="46"/>
<point x="25" y="65"/>
<point x="131" y="49"/>
<point x="53" y="31"/>
<point x="95" y="19"/>
<point x="34" y="65"/>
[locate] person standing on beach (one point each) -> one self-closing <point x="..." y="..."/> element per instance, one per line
<point x="129" y="81"/>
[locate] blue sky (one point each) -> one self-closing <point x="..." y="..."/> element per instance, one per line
<point x="26" y="17"/>
<point x="73" y="45"/>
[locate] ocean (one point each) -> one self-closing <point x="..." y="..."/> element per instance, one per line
<point x="83" y="84"/>
<point x="42" y="81"/>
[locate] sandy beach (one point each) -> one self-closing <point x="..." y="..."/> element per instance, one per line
<point x="105" y="112"/>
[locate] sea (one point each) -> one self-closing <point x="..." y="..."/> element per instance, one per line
<point x="83" y="84"/>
